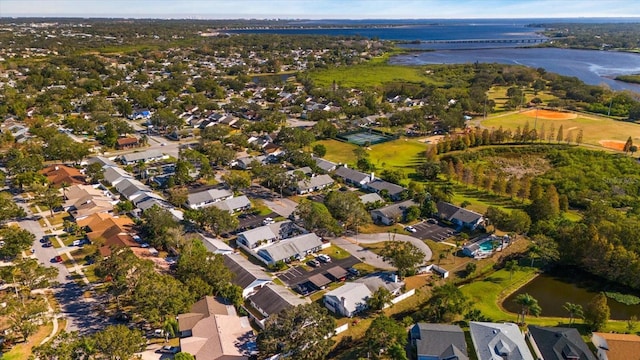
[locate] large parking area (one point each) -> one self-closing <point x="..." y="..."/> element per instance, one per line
<point x="436" y="232"/>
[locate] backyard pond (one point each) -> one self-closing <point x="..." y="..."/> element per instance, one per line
<point x="552" y="292"/>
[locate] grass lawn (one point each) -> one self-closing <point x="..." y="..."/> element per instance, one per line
<point x="338" y="151"/>
<point x="336" y="252"/>
<point x="402" y="154"/>
<point x="595" y="128"/>
<point x="90" y="273"/>
<point x="480" y="200"/>
<point x="370" y="75"/>
<point x="22" y="351"/>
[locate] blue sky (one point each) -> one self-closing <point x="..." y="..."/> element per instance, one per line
<point x="322" y="9"/>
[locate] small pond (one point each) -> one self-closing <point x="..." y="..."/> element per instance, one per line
<point x="552" y="292"/>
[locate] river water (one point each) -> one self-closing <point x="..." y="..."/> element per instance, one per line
<point x="591" y="66"/>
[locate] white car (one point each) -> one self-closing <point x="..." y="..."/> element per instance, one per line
<point x="267" y="221"/>
<point x="410" y="229"/>
<point x="324" y="258"/>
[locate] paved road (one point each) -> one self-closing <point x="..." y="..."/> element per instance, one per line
<point x="74" y="306"/>
<point x="352" y="245"/>
<point x="282" y="206"/>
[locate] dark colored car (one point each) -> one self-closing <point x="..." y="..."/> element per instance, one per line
<point x="47" y="244"/>
<point x="313" y="263"/>
<point x="57" y="259"/>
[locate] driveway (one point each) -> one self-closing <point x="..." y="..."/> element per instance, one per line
<point x="281" y="206"/>
<point x="366" y="256"/>
<point x="250" y="221"/>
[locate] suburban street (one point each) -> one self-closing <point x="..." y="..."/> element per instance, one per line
<point x="75" y="308"/>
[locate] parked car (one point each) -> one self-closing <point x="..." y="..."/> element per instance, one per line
<point x="313" y="263"/>
<point x="47" y="244"/>
<point x="432" y="221"/>
<point x="57" y="259"/>
<point x="169" y="349"/>
<point x="410" y="229"/>
<point x="353" y="271"/>
<point x="324" y="258"/>
<point x="267" y="221"/>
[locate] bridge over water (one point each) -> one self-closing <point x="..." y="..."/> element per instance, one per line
<point x="486" y="41"/>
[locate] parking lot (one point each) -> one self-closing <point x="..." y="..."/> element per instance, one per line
<point x="299" y="274"/>
<point x="250" y="221"/>
<point x="435" y="232"/>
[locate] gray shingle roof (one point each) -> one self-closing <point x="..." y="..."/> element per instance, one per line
<point x="559" y="343"/>
<point x="395" y="210"/>
<point x="142" y="156"/>
<point x="439" y="341"/>
<point x="206" y="196"/>
<point x="370" y="198"/>
<point x="498" y="341"/>
<point x="351" y="175"/>
<point x="253" y="236"/>
<point x="325" y="165"/>
<point x="317" y="181"/>
<point x="449" y="212"/>
<point x="272" y="299"/>
<point x="234" y="203"/>
<point x="379" y="185"/>
<point x="245" y="272"/>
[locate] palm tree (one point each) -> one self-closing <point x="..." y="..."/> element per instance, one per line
<point x="443" y="255"/>
<point x="574" y="310"/>
<point x="511" y="266"/>
<point x="529" y="305"/>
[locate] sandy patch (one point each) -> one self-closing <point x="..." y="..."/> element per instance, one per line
<point x="613" y="144"/>
<point x="549" y="114"/>
<point x="432" y="139"/>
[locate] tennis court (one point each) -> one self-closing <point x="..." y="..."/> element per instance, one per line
<point x="366" y="137"/>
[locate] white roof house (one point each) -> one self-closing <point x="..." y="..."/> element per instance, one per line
<point x="295" y="247"/>
<point x="314" y="183"/>
<point x="206" y="198"/>
<point x="142" y="156"/>
<point x="253" y="238"/>
<point x="234" y="204"/>
<point x="347" y="300"/>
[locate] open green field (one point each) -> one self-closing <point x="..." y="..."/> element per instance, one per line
<point x="595" y="128"/>
<point x="370" y="74"/>
<point x="403" y="154"/>
<point x="499" y="95"/>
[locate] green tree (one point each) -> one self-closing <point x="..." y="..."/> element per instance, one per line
<point x="511" y="266"/>
<point x="470" y="268"/>
<point x="15" y="240"/>
<point x="95" y="172"/>
<point x="119" y="342"/>
<point x="347" y="208"/>
<point x="217" y="220"/>
<point x="156" y="222"/>
<point x="303" y="332"/>
<point x="382" y="335"/>
<point x="316" y="217"/>
<point x="544" y="248"/>
<point x="403" y="255"/>
<point x="446" y="303"/>
<point x="597" y="312"/>
<point x="23" y="315"/>
<point x="49" y="197"/>
<point x="237" y="179"/>
<point x="627" y="145"/>
<point x="574" y="310"/>
<point x="159" y="296"/>
<point x="9" y="209"/>
<point x="184" y="356"/>
<point x="560" y="135"/>
<point x="319" y="150"/>
<point x="379" y="299"/>
<point x="528" y="305"/>
<point x="196" y="261"/>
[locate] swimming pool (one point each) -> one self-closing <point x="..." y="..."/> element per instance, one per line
<point x="486" y="246"/>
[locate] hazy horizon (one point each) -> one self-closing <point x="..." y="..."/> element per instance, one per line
<point x="321" y="9"/>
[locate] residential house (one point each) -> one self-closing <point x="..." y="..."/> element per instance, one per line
<point x="84" y="200"/>
<point x="142" y="156"/>
<point x="293" y="248"/>
<point x="337" y="273"/>
<point x="438" y="342"/>
<point x="324" y="165"/>
<point x="498" y="341"/>
<point x="351" y="298"/>
<point x="101" y="160"/>
<point x="382" y="187"/>
<point x="247" y="275"/>
<point x="390" y="214"/>
<point x="201" y="199"/>
<point x="347" y="300"/>
<point x="59" y="174"/>
<point x="371" y="198"/>
<point x="616" y="346"/>
<point x="213" y="331"/>
<point x="117" y="241"/>
<point x="244" y="163"/>
<point x="557" y="343"/>
<point x="141" y="114"/>
<point x="126" y="143"/>
<point x="215" y="246"/>
<point x="131" y="188"/>
<point x="104" y="226"/>
<point x="351" y="176"/>
<point x="257" y="237"/>
<point x="234" y="204"/>
<point x="459" y="216"/>
<point x="314" y="183"/>
<point x="113" y="175"/>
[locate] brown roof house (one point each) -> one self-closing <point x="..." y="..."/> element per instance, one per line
<point x="58" y="174"/>
<point x="616" y="346"/>
<point x="213" y="331"/>
<point x="85" y="200"/>
<point x="127" y="142"/>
